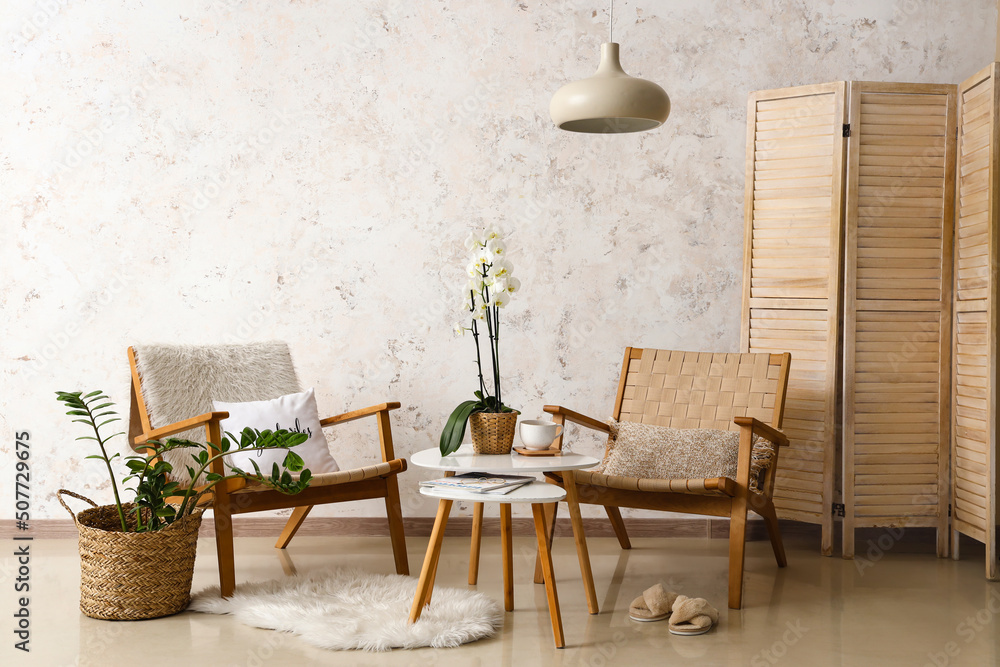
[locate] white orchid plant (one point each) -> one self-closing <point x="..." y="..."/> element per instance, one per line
<point x="490" y="287"/>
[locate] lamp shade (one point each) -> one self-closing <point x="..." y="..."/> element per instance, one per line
<point x="611" y="101"/>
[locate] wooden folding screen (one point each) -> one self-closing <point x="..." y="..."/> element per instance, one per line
<point x="791" y="291"/>
<point x="974" y="414"/>
<point x="899" y="218"/>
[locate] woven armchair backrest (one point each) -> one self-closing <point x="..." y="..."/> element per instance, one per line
<point x="701" y="389"/>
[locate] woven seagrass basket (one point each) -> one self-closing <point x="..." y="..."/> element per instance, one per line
<point x="133" y="576"/>
<point x="492" y="432"/>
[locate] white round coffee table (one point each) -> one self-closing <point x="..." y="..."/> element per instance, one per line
<point x="538" y="494"/>
<point x="465" y="460"/>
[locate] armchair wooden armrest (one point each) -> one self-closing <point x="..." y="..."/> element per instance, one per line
<point x="358" y="414"/>
<point x="763" y="430"/>
<point x="577" y="418"/>
<point x="381" y="411"/>
<point x="180" y="427"/>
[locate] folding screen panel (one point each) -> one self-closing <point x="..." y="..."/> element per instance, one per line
<point x="899" y="218"/>
<point x="792" y="269"/>
<point x="974" y="414"/>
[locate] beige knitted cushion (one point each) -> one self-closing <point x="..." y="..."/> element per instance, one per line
<point x="645" y="451"/>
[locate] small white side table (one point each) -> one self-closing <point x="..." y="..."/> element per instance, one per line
<point x="466" y="460"/>
<point x="536" y="493"/>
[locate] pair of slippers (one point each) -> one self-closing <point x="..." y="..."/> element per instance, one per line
<point x="688" y="616"/>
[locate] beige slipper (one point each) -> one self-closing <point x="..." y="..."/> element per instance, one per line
<point x="692" y="616"/>
<point x="654" y="604"/>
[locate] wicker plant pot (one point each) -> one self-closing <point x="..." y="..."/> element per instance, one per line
<point x="133" y="576"/>
<point x="492" y="432"/>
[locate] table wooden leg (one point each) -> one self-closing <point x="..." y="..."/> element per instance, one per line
<point x="551" y="510"/>
<point x="573" y="504"/>
<point x="545" y="556"/>
<point x="429" y="569"/>
<point x="477" y="541"/>
<point x="508" y="556"/>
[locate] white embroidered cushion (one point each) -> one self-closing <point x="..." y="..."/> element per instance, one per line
<point x="293" y="412"/>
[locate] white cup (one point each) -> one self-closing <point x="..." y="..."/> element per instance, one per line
<point x="538" y="434"/>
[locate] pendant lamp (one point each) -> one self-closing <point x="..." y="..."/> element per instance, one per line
<point x="611" y="101"/>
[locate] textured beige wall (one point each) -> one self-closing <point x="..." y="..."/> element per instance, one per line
<point x="214" y="171"/>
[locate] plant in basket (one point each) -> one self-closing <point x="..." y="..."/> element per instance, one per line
<point x="160" y="524"/>
<point x="490" y="287"/>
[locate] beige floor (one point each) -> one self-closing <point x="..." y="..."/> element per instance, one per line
<point x="905" y="608"/>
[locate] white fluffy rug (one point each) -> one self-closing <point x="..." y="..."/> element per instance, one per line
<point x="350" y="609"/>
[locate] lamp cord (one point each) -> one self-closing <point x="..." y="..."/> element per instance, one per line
<point x="611" y="22"/>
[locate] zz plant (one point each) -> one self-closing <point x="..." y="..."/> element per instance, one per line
<point x="151" y="473"/>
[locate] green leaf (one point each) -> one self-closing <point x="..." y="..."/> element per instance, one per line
<point x="93" y="393"/>
<point x="293" y="461"/>
<point x="454" y="429"/>
<point x="95" y="456"/>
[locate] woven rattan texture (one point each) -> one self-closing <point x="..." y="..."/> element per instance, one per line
<point x="699" y="389"/>
<point x="134" y="576"/>
<point x="492" y="432"/>
<point x="341" y="476"/>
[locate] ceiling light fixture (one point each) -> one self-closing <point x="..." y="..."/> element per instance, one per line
<point x="611" y="101"/>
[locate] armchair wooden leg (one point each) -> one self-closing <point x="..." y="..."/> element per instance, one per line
<point x="299" y="515"/>
<point x="396" y="534"/>
<point x="477" y="541"/>
<point x="766" y="510"/>
<point x="737" y="550"/>
<point x="224" y="547"/>
<point x="583" y="554"/>
<point x="615" y="515"/>
<point x="549" y="512"/>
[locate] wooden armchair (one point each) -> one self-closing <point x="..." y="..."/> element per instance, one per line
<point x="252" y="372"/>
<point x="737" y="392"/>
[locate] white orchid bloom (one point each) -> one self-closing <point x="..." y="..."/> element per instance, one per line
<point x="499" y="299"/>
<point x="458" y="329"/>
<point x="513" y="285"/>
<point x="473" y="241"/>
<point x="490" y="233"/>
<point x="481" y="257"/>
<point x="474" y="269"/>
<point x="500" y="268"/>
<point x="495" y="248"/>
<point x="498" y="285"/>
<point x="476" y="283"/>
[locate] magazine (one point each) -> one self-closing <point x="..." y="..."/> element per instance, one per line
<point x="481" y="482"/>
